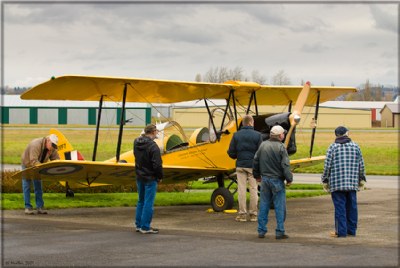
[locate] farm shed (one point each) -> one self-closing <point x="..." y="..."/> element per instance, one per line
<point x="390" y="115"/>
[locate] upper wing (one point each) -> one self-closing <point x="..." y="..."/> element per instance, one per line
<point x="88" y="173"/>
<point x="90" y="88"/>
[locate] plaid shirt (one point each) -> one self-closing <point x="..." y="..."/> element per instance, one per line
<point x="344" y="166"/>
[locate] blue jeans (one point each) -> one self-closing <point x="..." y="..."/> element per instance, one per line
<point x="26" y="188"/>
<point x="144" y="209"/>
<point x="346" y="213"/>
<point x="272" y="190"/>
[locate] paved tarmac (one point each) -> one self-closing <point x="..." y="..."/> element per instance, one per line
<point x="189" y="236"/>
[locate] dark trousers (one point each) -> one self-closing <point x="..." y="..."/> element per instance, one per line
<point x="346" y="214"/>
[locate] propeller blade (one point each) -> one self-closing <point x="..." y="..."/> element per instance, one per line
<point x="294" y="118"/>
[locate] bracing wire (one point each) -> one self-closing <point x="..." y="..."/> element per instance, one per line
<point x="206" y="159"/>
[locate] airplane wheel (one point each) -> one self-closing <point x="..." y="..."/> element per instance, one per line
<point x="221" y="199"/>
<point x="69" y="193"/>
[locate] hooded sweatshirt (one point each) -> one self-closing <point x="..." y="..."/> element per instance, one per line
<point x="148" y="160"/>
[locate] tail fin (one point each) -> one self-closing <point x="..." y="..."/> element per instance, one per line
<point x="65" y="149"/>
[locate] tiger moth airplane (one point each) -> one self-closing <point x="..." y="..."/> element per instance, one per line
<point x="203" y="154"/>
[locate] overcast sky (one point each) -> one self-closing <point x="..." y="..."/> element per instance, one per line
<point x="341" y="43"/>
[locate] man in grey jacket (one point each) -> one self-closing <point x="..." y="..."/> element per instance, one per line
<point x="38" y="151"/>
<point x="272" y="168"/>
<point x="243" y="146"/>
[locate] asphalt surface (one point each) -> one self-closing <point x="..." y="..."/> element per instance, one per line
<point x="190" y="236"/>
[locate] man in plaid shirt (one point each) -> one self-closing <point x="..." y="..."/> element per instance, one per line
<point x="343" y="174"/>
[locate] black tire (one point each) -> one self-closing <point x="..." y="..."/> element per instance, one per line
<point x="69" y="193"/>
<point x="221" y="199"/>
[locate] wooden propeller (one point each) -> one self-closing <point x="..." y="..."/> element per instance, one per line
<point x="295" y="117"/>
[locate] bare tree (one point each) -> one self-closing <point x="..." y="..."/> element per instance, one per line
<point x="212" y="75"/>
<point x="258" y="78"/>
<point x="377" y="93"/>
<point x="236" y="74"/>
<point x="367" y="92"/>
<point x="280" y="79"/>
<point x="197" y="78"/>
<point x="222" y="74"/>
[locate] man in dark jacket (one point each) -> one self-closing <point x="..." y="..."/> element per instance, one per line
<point x="149" y="172"/>
<point x="272" y="168"/>
<point x="243" y="146"/>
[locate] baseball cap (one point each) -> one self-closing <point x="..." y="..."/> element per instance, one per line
<point x="54" y="140"/>
<point x="277" y="130"/>
<point x="341" y="131"/>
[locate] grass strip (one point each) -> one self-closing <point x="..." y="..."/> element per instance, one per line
<point x="58" y="200"/>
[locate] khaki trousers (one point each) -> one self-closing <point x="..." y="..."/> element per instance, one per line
<point x="244" y="176"/>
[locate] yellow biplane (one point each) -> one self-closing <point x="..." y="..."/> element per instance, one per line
<point x="203" y="154"/>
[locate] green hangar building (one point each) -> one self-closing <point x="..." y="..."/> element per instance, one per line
<point x="14" y="110"/>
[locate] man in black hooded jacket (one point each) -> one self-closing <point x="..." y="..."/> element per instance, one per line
<point x="149" y="172"/>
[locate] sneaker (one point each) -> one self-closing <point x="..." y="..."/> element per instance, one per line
<point x="241" y="218"/>
<point x="137" y="229"/>
<point x="261" y="235"/>
<point x="253" y="218"/>
<point x="150" y="231"/>
<point x="41" y="211"/>
<point x="282" y="236"/>
<point x="29" y="211"/>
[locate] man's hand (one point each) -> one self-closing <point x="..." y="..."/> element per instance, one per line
<point x="361" y="185"/>
<point x="325" y="186"/>
<point x="288" y="183"/>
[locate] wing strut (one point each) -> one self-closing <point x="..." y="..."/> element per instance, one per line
<point x="250" y="101"/>
<point x="212" y="120"/>
<point x="234" y="108"/>
<point x="315" y="126"/>
<point x="96" y="138"/>
<point x="252" y="96"/>
<point x="226" y="109"/>
<point x="255" y="102"/>
<point x="121" y="124"/>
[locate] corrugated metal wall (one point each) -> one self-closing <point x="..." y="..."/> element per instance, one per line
<point x="73" y="115"/>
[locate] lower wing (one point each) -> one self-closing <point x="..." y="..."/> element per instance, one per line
<point x="306" y="162"/>
<point x="88" y="173"/>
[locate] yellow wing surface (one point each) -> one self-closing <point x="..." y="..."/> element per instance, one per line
<point x="306" y="162"/>
<point x="91" y="88"/>
<point x="88" y="173"/>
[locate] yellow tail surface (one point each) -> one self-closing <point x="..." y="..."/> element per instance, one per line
<point x="63" y="144"/>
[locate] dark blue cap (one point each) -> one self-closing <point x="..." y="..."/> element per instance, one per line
<point x="340" y="131"/>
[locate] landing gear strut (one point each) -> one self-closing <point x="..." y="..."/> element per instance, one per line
<point x="68" y="191"/>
